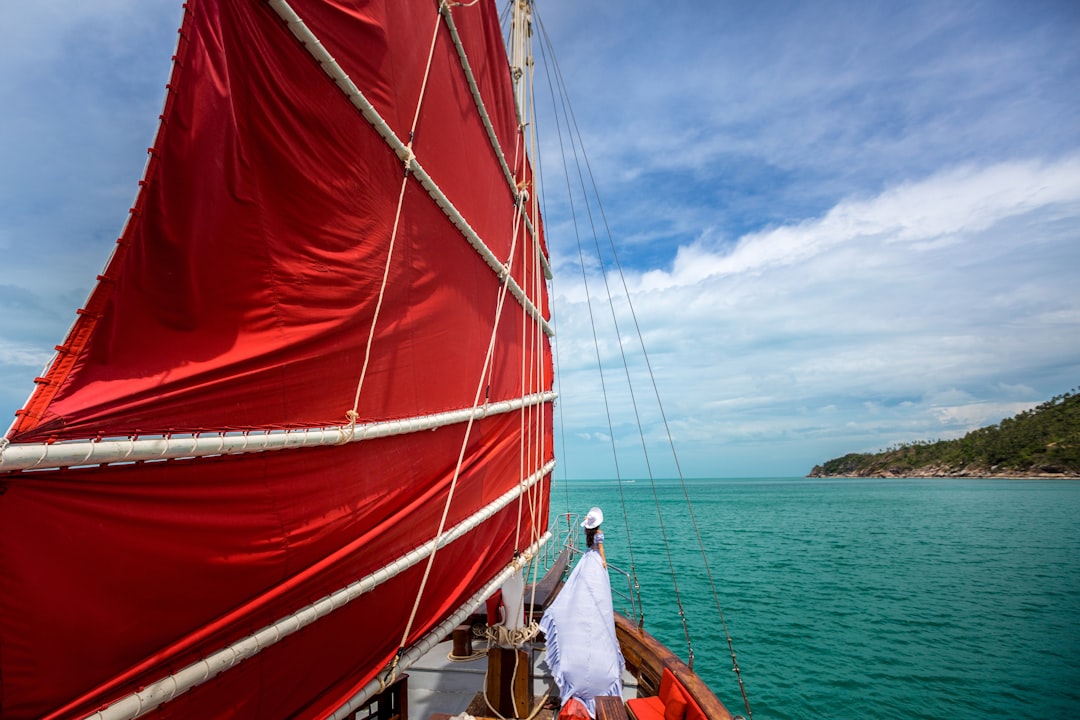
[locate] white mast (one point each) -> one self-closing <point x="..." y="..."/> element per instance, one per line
<point x="521" y="59"/>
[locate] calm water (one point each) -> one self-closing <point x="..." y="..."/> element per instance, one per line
<point x="863" y="598"/>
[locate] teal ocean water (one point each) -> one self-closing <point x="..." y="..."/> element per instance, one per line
<point x="851" y="598"/>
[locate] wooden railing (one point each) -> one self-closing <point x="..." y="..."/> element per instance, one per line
<point x="646" y="657"/>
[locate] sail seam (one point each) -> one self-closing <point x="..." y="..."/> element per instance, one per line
<point x="335" y="72"/>
<point x="42" y="456"/>
<point x="161" y="691"/>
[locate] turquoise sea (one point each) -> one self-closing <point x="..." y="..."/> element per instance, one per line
<point x="860" y="598"/>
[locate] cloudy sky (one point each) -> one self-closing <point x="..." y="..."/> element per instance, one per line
<point x="843" y="225"/>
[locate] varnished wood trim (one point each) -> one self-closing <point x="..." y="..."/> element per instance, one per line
<point x="646" y="657"/>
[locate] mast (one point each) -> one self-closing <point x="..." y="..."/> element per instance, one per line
<point x="521" y="59"/>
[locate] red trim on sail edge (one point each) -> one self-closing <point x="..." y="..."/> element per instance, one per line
<point x="86" y="318"/>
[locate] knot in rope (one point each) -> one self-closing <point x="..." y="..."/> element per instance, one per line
<point x="348" y="434"/>
<point x="502" y="635"/>
<point x="408" y="157"/>
<point x="388" y="678"/>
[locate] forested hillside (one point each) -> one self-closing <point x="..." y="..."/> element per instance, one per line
<point x="1042" y="442"/>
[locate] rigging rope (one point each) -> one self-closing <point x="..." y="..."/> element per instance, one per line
<point x="353" y="414"/>
<point x="537" y="495"/>
<point x="588" y="300"/>
<point x="482" y="381"/>
<point x="571" y="119"/>
<point x="442" y="522"/>
<point x="637" y="416"/>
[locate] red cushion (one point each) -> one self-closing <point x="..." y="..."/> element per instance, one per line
<point x="573" y="709"/>
<point x="647" y="708"/>
<point x="669" y="686"/>
<point x="693" y="711"/>
<point x="675" y="708"/>
<point x="672" y="702"/>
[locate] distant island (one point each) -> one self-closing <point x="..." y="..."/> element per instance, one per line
<point x="1039" y="443"/>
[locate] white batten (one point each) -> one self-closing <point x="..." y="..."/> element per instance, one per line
<point x="336" y="73"/>
<point x="448" y="16"/>
<point x="439" y="633"/>
<point x="166" y="689"/>
<point x="490" y="129"/>
<point x="37" y="456"/>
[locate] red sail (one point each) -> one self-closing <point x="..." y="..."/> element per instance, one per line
<point x="241" y="296"/>
<point x="242" y="292"/>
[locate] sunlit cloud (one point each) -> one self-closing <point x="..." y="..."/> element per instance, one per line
<point x="900" y="313"/>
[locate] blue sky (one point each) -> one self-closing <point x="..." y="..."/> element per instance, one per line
<point x="844" y="225"/>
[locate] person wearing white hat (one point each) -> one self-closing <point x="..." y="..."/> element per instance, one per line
<point x="594" y="538"/>
<point x="582" y="648"/>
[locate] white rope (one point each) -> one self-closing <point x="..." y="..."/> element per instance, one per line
<point x="408" y="160"/>
<point x="539" y="261"/>
<point x="336" y="73"/>
<point x="43" y="456"/>
<point x="461" y="453"/>
<point x="507" y="279"/>
<point x="521" y="637"/>
<point x="504" y="274"/>
<point x="502" y="635"/>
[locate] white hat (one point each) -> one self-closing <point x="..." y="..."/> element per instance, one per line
<point x="593" y="519"/>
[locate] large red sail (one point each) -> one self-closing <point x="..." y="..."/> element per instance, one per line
<point x="241" y="298"/>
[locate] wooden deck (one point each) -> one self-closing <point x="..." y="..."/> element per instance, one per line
<point x="444" y="687"/>
<point x="441" y="687"/>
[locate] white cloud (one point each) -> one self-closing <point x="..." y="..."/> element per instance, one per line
<point x="808" y="279"/>
<point x="934" y="308"/>
<point x="929" y="216"/>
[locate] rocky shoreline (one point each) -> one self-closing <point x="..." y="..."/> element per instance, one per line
<point x="1042" y="473"/>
